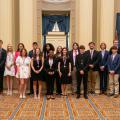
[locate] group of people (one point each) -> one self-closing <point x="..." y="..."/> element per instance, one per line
<point x="65" y="67"/>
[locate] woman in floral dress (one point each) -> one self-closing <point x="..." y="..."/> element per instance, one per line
<point x="9" y="69"/>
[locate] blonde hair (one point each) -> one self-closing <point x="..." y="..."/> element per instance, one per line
<point x="9" y="45"/>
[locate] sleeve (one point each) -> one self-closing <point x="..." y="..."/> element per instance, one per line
<point x="29" y="60"/>
<point x="2" y="63"/>
<point x="97" y="59"/>
<point x="17" y="61"/>
<point x="118" y="64"/>
<point x="108" y="63"/>
<point x="86" y="64"/>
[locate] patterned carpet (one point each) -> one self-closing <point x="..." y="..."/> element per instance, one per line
<point x="95" y="108"/>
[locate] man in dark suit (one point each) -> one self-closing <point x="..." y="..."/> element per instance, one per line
<point x="2" y="64"/>
<point x="82" y="71"/>
<point x="31" y="54"/>
<point x="72" y="54"/>
<point x="103" y="71"/>
<point x="113" y="64"/>
<point x="93" y="57"/>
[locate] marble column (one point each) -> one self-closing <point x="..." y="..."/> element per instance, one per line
<point x="6" y="32"/>
<point x="107" y="22"/>
<point x="26" y="22"/>
<point x="85" y="21"/>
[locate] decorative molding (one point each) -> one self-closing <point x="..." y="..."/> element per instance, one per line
<point x="56" y="1"/>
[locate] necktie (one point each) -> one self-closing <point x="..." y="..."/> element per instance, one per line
<point x="75" y="53"/>
<point x="91" y="54"/>
<point x="103" y="53"/>
<point x="112" y="58"/>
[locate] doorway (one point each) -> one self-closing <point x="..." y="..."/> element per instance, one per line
<point x="56" y="28"/>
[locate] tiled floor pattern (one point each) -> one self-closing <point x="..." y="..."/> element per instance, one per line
<point x="29" y="110"/>
<point x="82" y="109"/>
<point x="56" y="110"/>
<point x="108" y="106"/>
<point x="96" y="108"/>
<point x="7" y="106"/>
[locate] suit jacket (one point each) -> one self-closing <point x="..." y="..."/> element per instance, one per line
<point x="71" y="58"/>
<point x="103" y="60"/>
<point x="30" y="54"/>
<point x="82" y="62"/>
<point x="95" y="59"/>
<point x="114" y="64"/>
<point x="47" y="67"/>
<point x="3" y="59"/>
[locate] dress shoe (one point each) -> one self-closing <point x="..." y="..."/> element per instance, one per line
<point x="105" y="92"/>
<point x="117" y="95"/>
<point x="24" y="96"/>
<point x="110" y="94"/>
<point x="101" y="92"/>
<point x="52" y="97"/>
<point x="78" y="96"/>
<point x="85" y="96"/>
<point x="48" y="97"/>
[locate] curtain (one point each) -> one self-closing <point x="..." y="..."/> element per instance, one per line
<point x="48" y="23"/>
<point x="118" y="27"/>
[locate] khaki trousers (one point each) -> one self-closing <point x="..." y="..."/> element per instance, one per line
<point x="92" y="77"/>
<point x="114" y="83"/>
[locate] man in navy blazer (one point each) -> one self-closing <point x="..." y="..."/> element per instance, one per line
<point x="2" y="64"/>
<point x="103" y="71"/>
<point x="113" y="64"/>
<point x="31" y="54"/>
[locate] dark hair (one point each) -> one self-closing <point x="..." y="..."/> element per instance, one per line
<point x="22" y="51"/>
<point x="67" y="51"/>
<point x="19" y="45"/>
<point x="35" y="43"/>
<point x="114" y="48"/>
<point x="103" y="44"/>
<point x="1" y="41"/>
<point x="35" y="55"/>
<point x="51" y="47"/>
<point x="91" y="43"/>
<point x="82" y="47"/>
<point x="75" y="44"/>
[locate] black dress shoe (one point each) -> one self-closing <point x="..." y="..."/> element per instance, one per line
<point x="48" y="97"/>
<point x="85" y="96"/>
<point x="101" y="92"/>
<point x="78" y="96"/>
<point x="52" y="97"/>
<point x="110" y="94"/>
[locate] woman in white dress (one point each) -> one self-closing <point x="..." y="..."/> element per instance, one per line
<point x="9" y="69"/>
<point x="23" y="67"/>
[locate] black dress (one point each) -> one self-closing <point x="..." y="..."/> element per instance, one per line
<point x="64" y="68"/>
<point x="37" y="65"/>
